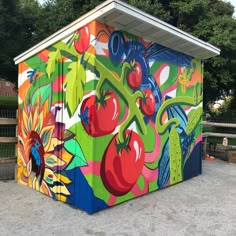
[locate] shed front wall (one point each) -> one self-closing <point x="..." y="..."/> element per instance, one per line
<point x="105" y="117"/>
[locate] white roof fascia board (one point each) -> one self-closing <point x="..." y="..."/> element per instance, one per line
<point x="126" y="8"/>
<point x="112" y="6"/>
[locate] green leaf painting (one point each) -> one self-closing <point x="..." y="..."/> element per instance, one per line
<point x="74" y="85"/>
<point x="44" y="92"/>
<point x="51" y="65"/>
<point x="74" y="148"/>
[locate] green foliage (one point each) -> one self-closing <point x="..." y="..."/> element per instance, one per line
<point x="55" y="14"/>
<point x="24" y="23"/>
<point x="211" y="21"/>
<point x="17" y="32"/>
<point x="225" y="112"/>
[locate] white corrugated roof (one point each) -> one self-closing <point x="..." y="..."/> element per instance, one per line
<point x="125" y="17"/>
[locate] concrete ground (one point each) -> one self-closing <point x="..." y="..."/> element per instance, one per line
<point x="205" y="205"/>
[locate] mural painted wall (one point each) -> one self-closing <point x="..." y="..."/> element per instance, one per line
<point x="105" y="117"/>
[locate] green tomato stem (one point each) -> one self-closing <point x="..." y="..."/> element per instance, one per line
<point x="106" y="76"/>
<point x="126" y="123"/>
<point x="72" y="40"/>
<point x="134" y="114"/>
<point x="125" y="67"/>
<point x="182" y="100"/>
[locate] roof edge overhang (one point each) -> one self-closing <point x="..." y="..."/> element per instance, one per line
<point x="125" y="17"/>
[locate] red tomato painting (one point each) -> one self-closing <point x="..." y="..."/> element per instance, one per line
<point x="134" y="77"/>
<point x="100" y="117"/>
<point x="122" y="166"/>
<point x="148" y="104"/>
<point x="83" y="42"/>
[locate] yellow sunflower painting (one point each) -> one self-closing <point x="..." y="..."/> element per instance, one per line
<point x="42" y="155"/>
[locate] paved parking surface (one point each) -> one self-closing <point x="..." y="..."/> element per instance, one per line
<point x="204" y="206"/>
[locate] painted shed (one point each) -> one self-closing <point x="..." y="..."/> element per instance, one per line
<point x="110" y="108"/>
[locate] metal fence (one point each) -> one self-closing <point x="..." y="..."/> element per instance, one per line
<point x="8" y="140"/>
<point x="7" y="150"/>
<point x="8" y="113"/>
<point x="225" y="148"/>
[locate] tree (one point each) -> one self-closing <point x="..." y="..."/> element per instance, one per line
<point x="17" y="33"/>
<point x="210" y="20"/>
<point x="7" y="10"/>
<point x="219" y="28"/>
<point x="56" y="14"/>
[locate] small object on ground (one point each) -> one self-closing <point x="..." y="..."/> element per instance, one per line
<point x="209" y="158"/>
